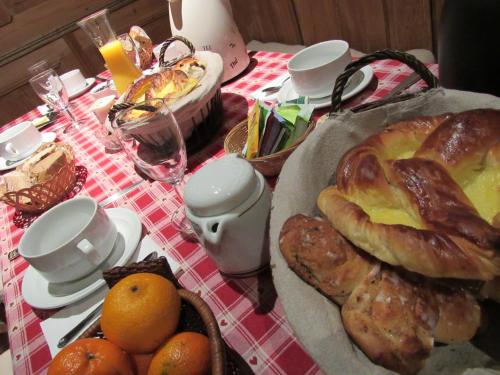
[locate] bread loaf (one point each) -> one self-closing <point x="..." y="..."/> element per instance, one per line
<point x="423" y="194"/>
<point x="40" y="167"/>
<point x="393" y="315"/>
<point x="144" y="44"/>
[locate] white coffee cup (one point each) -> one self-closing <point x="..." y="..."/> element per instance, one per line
<point x="69" y="241"/>
<point x="73" y="81"/>
<point x="313" y="70"/>
<point x="19" y="141"/>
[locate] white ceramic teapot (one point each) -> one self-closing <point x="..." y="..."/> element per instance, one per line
<point x="228" y="204"/>
<point x="209" y="25"/>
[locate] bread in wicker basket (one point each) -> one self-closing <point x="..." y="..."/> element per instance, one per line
<point x="195" y="316"/>
<point x="46" y="187"/>
<point x="269" y="165"/>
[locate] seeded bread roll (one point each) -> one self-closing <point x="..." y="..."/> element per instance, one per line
<point x="393" y="315"/>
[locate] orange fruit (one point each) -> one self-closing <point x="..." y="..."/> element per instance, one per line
<point x="187" y="353"/>
<point x="140" y="312"/>
<point x="141" y="363"/>
<point x="91" y="357"/>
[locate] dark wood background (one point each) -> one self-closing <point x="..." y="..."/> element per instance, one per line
<point x="34" y="29"/>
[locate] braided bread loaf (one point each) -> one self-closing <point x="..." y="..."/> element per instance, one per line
<point x="393" y="316"/>
<point x="423" y="194"/>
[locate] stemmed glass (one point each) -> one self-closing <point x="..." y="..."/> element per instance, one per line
<point x="49" y="87"/>
<point x="151" y="137"/>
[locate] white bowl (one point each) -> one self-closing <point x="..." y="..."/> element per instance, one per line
<point x="314" y="70"/>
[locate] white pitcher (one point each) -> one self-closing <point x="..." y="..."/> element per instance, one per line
<point x="228" y="204"/>
<point x="209" y="25"/>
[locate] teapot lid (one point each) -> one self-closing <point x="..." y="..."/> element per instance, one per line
<point x="220" y="186"/>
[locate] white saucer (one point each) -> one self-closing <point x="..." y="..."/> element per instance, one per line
<point x="39" y="293"/>
<point x="90" y="82"/>
<point x="355" y="85"/>
<point x="5" y="164"/>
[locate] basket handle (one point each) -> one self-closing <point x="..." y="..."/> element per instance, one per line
<point x="168" y="42"/>
<point x="406" y="58"/>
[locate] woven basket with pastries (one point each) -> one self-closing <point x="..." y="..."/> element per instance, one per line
<point x="190" y="85"/>
<point x="42" y="180"/>
<point x="399" y="226"/>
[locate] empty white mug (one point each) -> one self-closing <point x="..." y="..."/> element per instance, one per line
<point x="69" y="241"/>
<point x="73" y="81"/>
<point x="314" y="70"/>
<point x="19" y="141"/>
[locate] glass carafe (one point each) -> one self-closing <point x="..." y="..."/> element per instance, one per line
<point x="122" y="68"/>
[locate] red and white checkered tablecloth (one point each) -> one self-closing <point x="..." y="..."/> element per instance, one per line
<point x="250" y="317"/>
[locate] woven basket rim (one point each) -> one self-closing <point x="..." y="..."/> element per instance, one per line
<point x="243" y="123"/>
<point x="217" y="350"/>
<point x="9" y="197"/>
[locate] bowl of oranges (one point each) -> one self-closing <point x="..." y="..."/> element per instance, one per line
<point x="149" y="326"/>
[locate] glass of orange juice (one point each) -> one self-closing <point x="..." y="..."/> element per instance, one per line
<point x="123" y="70"/>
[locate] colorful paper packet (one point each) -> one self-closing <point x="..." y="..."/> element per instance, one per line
<point x="274" y="129"/>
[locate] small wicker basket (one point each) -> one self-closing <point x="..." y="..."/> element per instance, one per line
<point x="269" y="165"/>
<point x="195" y="316"/>
<point x="41" y="197"/>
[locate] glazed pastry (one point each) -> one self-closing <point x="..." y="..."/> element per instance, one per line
<point x="423" y="194"/>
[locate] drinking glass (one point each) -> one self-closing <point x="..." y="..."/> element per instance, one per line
<point x="38" y="67"/>
<point x="49" y="87"/>
<point x="150" y="136"/>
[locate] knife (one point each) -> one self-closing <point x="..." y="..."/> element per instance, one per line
<point x="403" y="85"/>
<point x="119" y="194"/>
<point x="94" y="313"/>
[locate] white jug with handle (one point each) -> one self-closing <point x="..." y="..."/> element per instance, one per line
<point x="209" y="25"/>
<point x="228" y="204"/>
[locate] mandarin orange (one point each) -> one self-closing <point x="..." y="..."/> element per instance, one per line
<point x="91" y="357"/>
<point x="140" y="312"/>
<point x="187" y="353"/>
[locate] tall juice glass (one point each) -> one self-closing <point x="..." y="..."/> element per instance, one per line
<point x="122" y="68"/>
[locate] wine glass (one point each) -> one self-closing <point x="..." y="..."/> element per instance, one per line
<point x="150" y="136"/>
<point x="49" y="87"/>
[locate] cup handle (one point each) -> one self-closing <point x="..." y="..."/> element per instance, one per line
<point x="89" y="251"/>
<point x="9" y="147"/>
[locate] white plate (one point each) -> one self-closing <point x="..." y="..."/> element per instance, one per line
<point x="90" y="82"/>
<point x="6" y="164"/>
<point x="355" y="85"/>
<point x="39" y="293"/>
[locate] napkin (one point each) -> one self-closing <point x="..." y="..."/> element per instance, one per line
<point x="259" y="95"/>
<point x="64" y="320"/>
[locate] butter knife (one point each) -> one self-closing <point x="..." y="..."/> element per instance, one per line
<point x="94" y="313"/>
<point x="403" y="85"/>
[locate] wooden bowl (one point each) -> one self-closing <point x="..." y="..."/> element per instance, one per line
<point x="269" y="165"/>
<point x="41" y="197"/>
<point x="196" y="315"/>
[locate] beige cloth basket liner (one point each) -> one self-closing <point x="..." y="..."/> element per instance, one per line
<point x="315" y="320"/>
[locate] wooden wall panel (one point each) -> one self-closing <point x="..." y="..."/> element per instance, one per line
<point x="267" y="20"/>
<point x="44" y="17"/>
<point x="363" y="24"/>
<point x="319" y="22"/>
<point x="360" y="22"/>
<point x="409" y="24"/>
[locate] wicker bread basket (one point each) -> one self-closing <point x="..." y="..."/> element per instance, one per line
<point x="200" y="112"/>
<point x="269" y="165"/>
<point x="195" y="316"/>
<point x="41" y="197"/>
